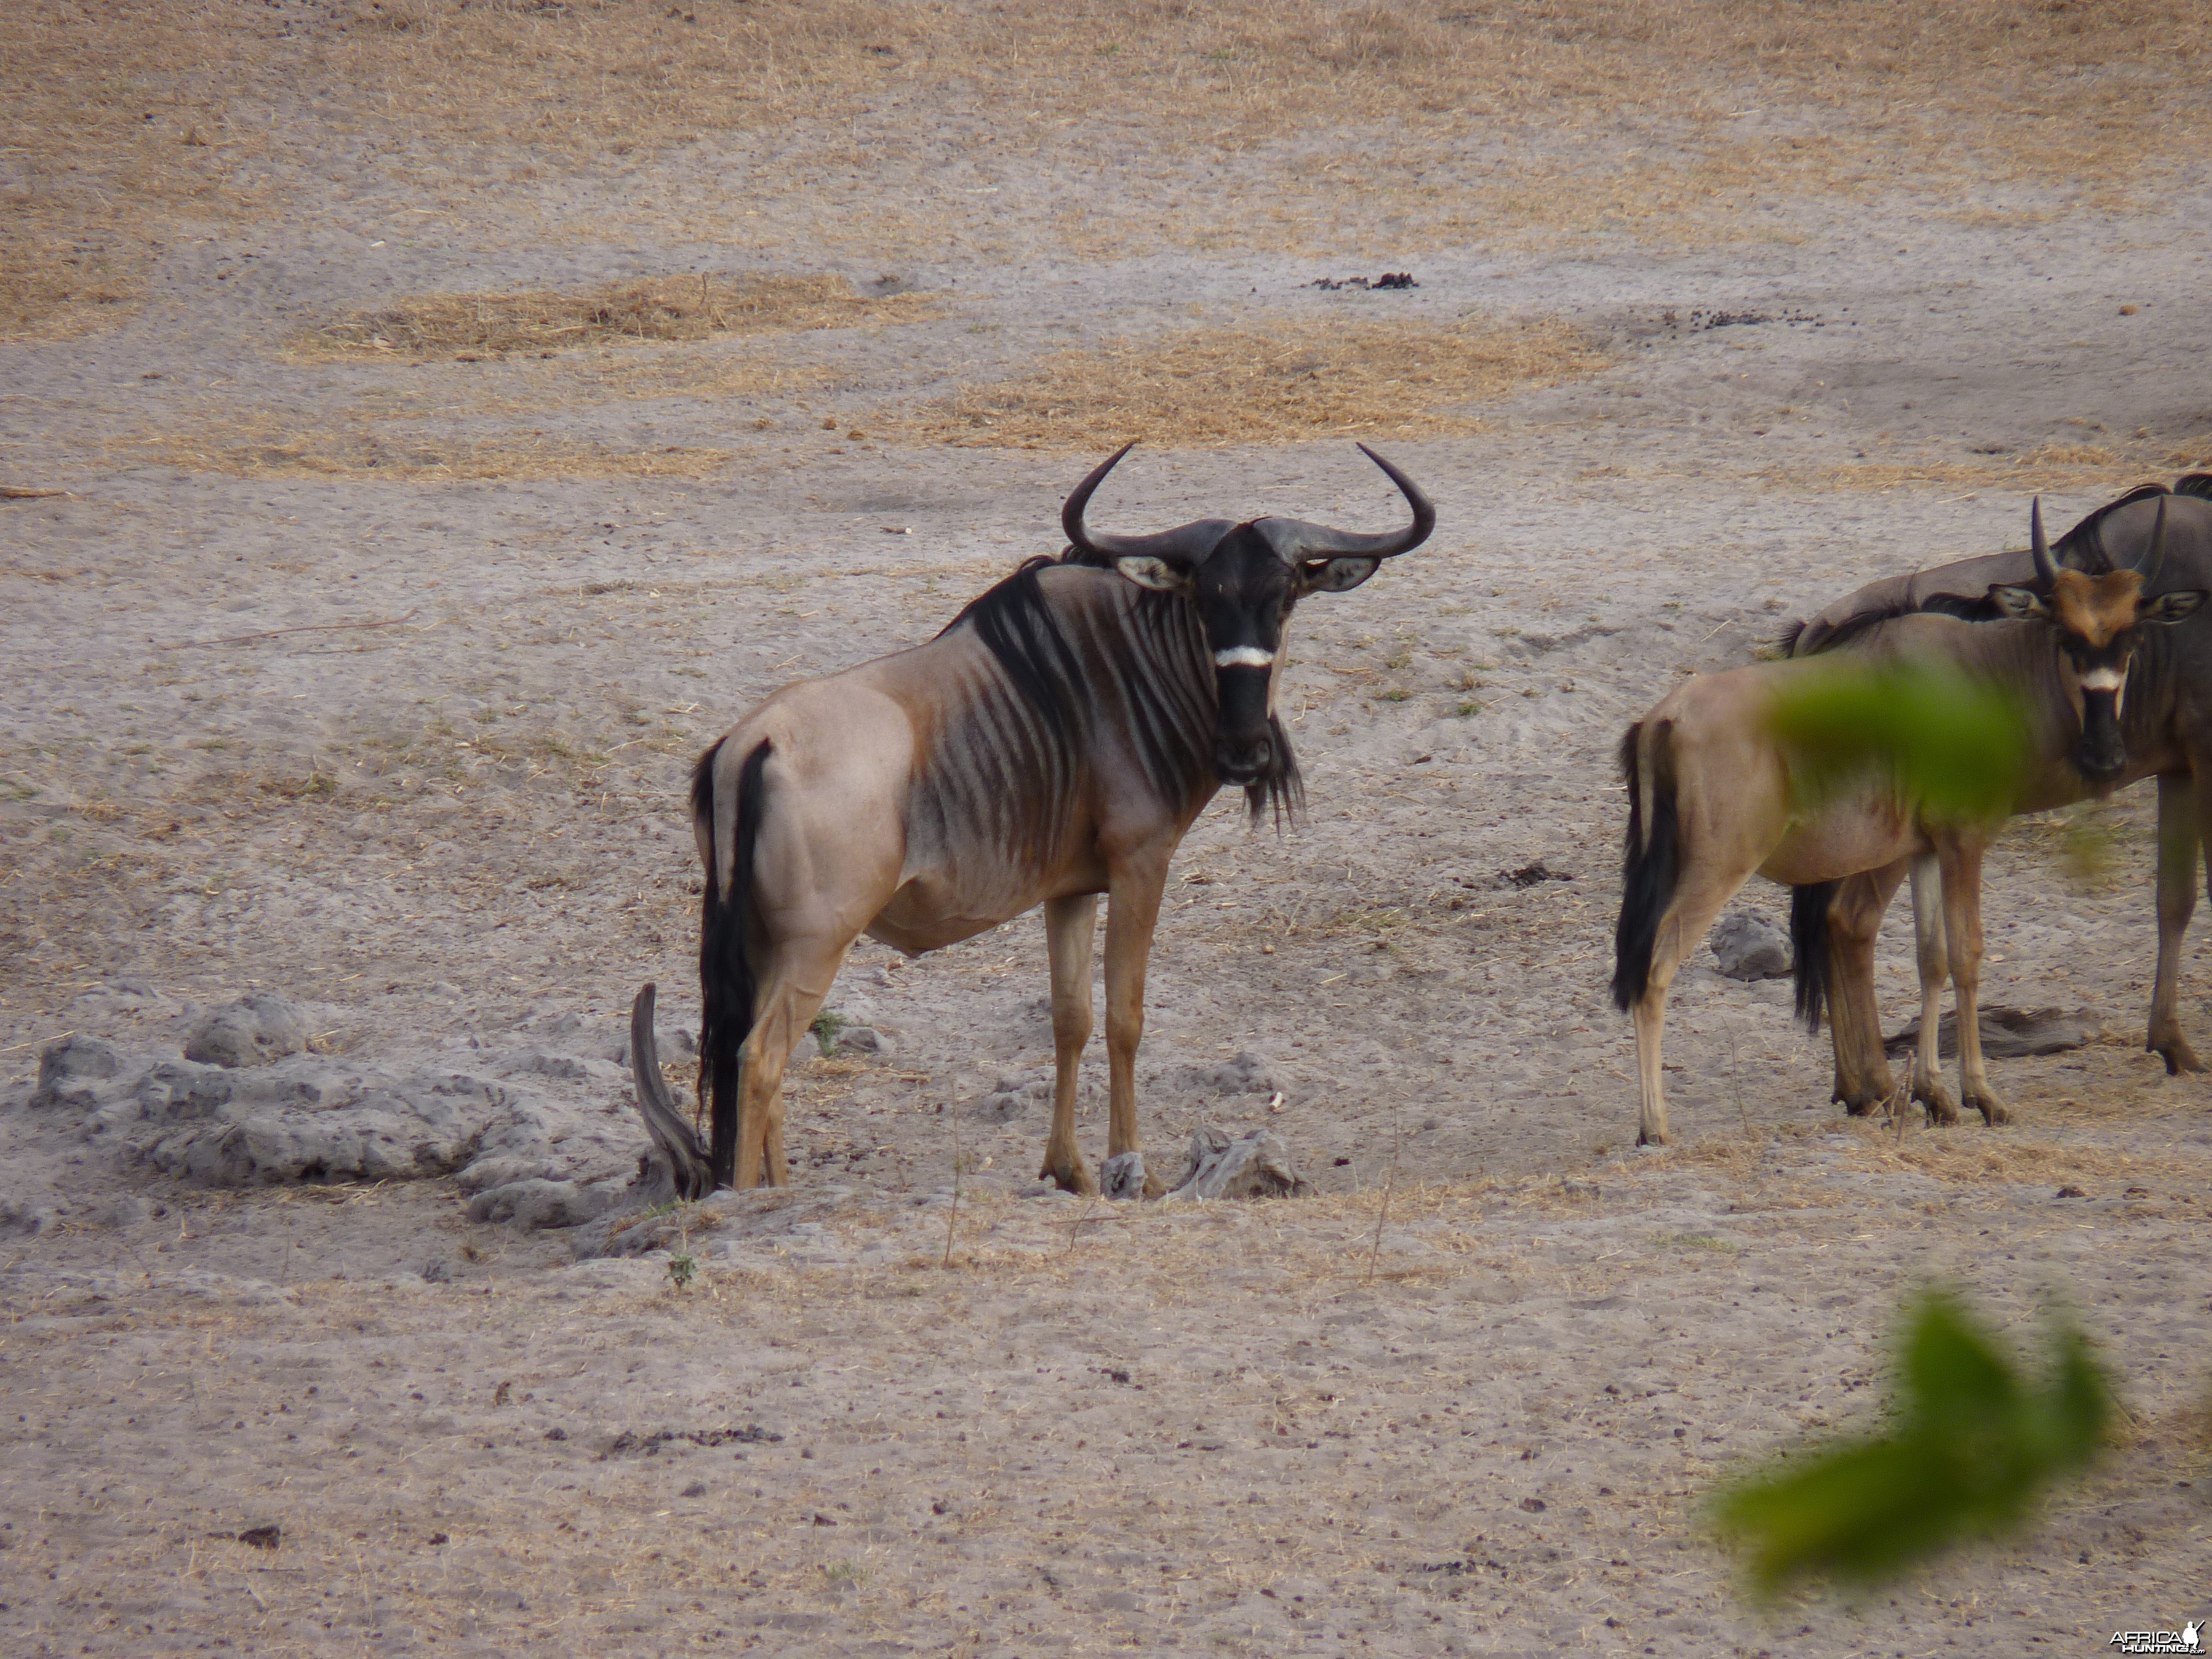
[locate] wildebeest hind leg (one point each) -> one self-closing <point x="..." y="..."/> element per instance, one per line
<point x="1863" y="1078"/>
<point x="1070" y="927"/>
<point x="1699" y="896"/>
<point x="2178" y="839"/>
<point x="791" y="994"/>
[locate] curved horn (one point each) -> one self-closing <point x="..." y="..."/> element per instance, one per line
<point x="677" y="1140"/>
<point x="2147" y="566"/>
<point x="1297" y="540"/>
<point x="2046" y="570"/>
<point x="1186" y="544"/>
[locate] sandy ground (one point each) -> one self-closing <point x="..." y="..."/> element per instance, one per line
<point x="374" y="684"/>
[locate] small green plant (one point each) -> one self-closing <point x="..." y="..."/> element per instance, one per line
<point x="826" y="1025"/>
<point x="1469" y="709"/>
<point x="1971" y="1445"/>
<point x="1397" y="693"/>
<point x="681" y="1268"/>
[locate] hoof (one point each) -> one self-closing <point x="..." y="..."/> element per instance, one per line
<point x="2176" y="1053"/>
<point x="1075" y="1179"/>
<point x="1992" y="1109"/>
<point x="1122" y="1175"/>
<point x="1942" y="1110"/>
<point x="1650" y="1137"/>
<point x="1860" y="1105"/>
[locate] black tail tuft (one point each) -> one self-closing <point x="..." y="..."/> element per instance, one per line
<point x="1653" y="865"/>
<point x="726" y="969"/>
<point x="1808" y="942"/>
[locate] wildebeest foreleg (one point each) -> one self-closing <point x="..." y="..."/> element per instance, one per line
<point x="1070" y="927"/>
<point x="1961" y="858"/>
<point x="1863" y="1079"/>
<point x="1133" y="909"/>
<point x="1928" y="926"/>
<point x="2179" y="800"/>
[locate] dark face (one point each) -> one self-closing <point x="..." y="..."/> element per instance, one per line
<point x="2099" y="623"/>
<point x="1244" y="593"/>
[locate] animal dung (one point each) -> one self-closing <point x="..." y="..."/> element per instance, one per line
<point x="1389" y="279"/>
<point x="251" y="1032"/>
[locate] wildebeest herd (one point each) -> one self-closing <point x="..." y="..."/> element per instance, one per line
<point x="1059" y="737"/>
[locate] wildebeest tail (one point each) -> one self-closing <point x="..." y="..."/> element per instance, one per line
<point x="726" y="969"/>
<point x="1653" y="863"/>
<point x="1809" y="941"/>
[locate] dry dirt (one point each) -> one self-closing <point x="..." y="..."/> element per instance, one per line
<point x="1721" y="312"/>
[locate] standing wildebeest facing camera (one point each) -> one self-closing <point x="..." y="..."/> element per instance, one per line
<point x="1718" y="790"/>
<point x="1053" y="744"/>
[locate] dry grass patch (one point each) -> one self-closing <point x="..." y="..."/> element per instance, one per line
<point x="1969" y="1159"/>
<point x="266" y="448"/>
<point x="2048" y="466"/>
<point x="467" y="327"/>
<point x="1286" y="383"/>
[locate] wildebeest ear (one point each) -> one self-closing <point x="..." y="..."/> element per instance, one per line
<point x="1161" y="575"/>
<point x="1334" y="575"/>
<point x="2019" y="604"/>
<point x="2171" y="607"/>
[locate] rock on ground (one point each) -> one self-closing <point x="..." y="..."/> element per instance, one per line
<point x="1750" y="947"/>
<point x="251" y="1032"/>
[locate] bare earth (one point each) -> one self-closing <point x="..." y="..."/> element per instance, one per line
<point x="369" y="674"/>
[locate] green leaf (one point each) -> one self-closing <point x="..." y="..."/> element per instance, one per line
<point x="1972" y="1445"/>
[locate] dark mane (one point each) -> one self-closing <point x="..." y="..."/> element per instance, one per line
<point x="1012" y="620"/>
<point x="1017" y="626"/>
<point x="2083" y="546"/>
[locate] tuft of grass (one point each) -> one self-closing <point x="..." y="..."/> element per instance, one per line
<point x="826" y="1025"/>
<point x="1298" y="380"/>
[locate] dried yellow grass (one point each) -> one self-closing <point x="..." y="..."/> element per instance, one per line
<point x="258" y="448"/>
<point x="2047" y="466"/>
<point x="1296" y="381"/>
<point x="131" y="120"/>
<point x="469" y="326"/>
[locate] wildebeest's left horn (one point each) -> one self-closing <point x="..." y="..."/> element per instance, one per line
<point x="2147" y="566"/>
<point x="2046" y="569"/>
<point x="1296" y="541"/>
<point x="1184" y="545"/>
<point x="677" y="1140"/>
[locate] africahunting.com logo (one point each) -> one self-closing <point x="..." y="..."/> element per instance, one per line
<point x="2188" y="1639"/>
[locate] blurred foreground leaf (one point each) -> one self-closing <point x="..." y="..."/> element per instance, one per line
<point x="1955" y="745"/>
<point x="1972" y="1444"/>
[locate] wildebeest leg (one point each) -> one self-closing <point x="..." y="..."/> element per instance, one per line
<point x="1928" y="926"/>
<point x="1961" y="862"/>
<point x="1133" y="908"/>
<point x="1699" y="895"/>
<point x="1863" y="1079"/>
<point x="1071" y="927"/>
<point x="791" y="993"/>
<point x="2178" y="837"/>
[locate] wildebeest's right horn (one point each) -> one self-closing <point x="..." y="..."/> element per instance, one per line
<point x="2147" y="566"/>
<point x="1297" y="541"/>
<point x="677" y="1140"/>
<point x="2046" y="569"/>
<point x="1185" y="545"/>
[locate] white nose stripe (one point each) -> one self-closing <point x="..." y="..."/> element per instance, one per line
<point x="1245" y="656"/>
<point x="2101" y="679"/>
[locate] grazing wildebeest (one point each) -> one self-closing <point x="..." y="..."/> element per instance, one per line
<point x="1716" y="793"/>
<point x="1053" y="744"/>
<point x="2165" y="729"/>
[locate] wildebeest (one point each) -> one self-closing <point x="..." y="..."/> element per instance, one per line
<point x="1716" y="793"/>
<point x="1053" y="744"/>
<point x="2163" y="727"/>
